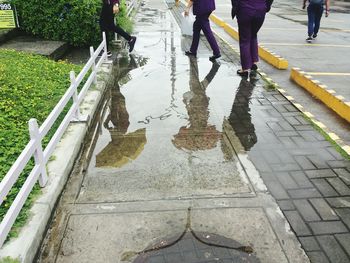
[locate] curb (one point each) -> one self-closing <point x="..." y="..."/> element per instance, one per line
<point x="24" y="247"/>
<point x="329" y="97"/>
<point x="332" y="136"/>
<point x="267" y="55"/>
<point x="325" y="130"/>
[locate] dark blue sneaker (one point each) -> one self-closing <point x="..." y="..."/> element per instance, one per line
<point x="132" y="44"/>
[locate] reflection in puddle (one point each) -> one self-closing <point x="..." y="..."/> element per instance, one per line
<point x="199" y="135"/>
<point x="123" y="146"/>
<point x="240" y="117"/>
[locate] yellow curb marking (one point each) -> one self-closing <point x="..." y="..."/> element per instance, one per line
<point x="333" y="136"/>
<point x="217" y="20"/>
<point x="329" y="98"/>
<point x="308" y="114"/>
<point x="300" y="44"/>
<point x="264" y="53"/>
<point x="346" y="149"/>
<point x="328" y="74"/>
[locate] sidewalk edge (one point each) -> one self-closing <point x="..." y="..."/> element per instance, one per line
<point x="329" y="97"/>
<point x="325" y="131"/>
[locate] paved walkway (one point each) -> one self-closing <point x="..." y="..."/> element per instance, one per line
<point x="177" y="160"/>
<point x="284" y="32"/>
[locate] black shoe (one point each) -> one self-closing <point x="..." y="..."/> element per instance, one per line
<point x="254" y="67"/>
<point x="243" y="73"/>
<point x="314" y="36"/>
<point x="309" y="40"/>
<point x="190" y="54"/>
<point x="132" y="44"/>
<point x="214" y="57"/>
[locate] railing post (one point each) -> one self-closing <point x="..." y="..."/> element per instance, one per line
<point x="75" y="95"/>
<point x="93" y="64"/>
<point x="104" y="41"/>
<point x="38" y="155"/>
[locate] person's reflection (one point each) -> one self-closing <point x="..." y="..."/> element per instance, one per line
<point x="123" y="146"/>
<point x="240" y="118"/>
<point x="198" y="135"/>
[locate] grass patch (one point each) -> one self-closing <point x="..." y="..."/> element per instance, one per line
<point x="30" y="87"/>
<point x="326" y="136"/>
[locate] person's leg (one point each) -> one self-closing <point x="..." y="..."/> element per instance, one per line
<point x="205" y="25"/>
<point x="196" y="34"/>
<point x="245" y="35"/>
<point x="256" y="25"/>
<point x="318" y="16"/>
<point x="311" y="19"/>
<point x="117" y="29"/>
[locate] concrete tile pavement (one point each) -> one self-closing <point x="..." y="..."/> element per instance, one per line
<point x="284" y="33"/>
<point x="263" y="134"/>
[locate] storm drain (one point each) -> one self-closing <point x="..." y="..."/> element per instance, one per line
<point x="194" y="247"/>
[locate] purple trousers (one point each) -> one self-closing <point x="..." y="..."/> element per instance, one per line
<point x="202" y="23"/>
<point x="249" y="23"/>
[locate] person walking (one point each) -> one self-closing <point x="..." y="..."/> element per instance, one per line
<point x="314" y="14"/>
<point x="250" y="17"/>
<point x="107" y="24"/>
<point x="202" y="10"/>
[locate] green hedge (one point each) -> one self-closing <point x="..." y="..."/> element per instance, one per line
<point x="30" y="87"/>
<point x="73" y="21"/>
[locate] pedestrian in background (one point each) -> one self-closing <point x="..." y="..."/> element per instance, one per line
<point x="314" y="14"/>
<point x="107" y="24"/>
<point x="250" y="17"/>
<point x="202" y="10"/>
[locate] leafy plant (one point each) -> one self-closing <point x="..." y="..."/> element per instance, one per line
<point x="30" y="87"/>
<point x="73" y="21"/>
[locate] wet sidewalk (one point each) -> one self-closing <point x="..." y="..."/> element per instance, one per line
<point x="284" y="32"/>
<point x="177" y="160"/>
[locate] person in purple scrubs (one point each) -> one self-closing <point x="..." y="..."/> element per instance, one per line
<point x="202" y="10"/>
<point x="250" y="17"/>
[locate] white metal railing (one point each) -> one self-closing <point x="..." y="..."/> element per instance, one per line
<point x="34" y="147"/>
<point x="130" y="6"/>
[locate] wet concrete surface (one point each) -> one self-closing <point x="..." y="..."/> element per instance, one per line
<point x="174" y="133"/>
<point x="284" y="32"/>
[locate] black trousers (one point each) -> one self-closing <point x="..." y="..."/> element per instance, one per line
<point x="108" y="25"/>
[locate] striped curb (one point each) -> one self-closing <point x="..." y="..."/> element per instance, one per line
<point x="329" y="97"/>
<point x="332" y="136"/>
<point x="267" y="55"/>
<point x="217" y="20"/>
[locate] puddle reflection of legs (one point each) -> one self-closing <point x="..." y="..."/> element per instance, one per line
<point x="198" y="135"/>
<point x="123" y="146"/>
<point x="240" y="117"/>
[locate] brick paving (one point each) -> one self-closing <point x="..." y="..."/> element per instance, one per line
<point x="196" y="249"/>
<point x="302" y="170"/>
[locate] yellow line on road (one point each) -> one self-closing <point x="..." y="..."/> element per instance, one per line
<point x="304" y="29"/>
<point x="300" y="44"/>
<point x="328" y="74"/>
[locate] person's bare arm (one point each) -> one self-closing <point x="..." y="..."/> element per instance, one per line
<point x="327" y="7"/>
<point x="189" y="5"/>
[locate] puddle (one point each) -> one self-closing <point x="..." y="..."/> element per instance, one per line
<point x="161" y="135"/>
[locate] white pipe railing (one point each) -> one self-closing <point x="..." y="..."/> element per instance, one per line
<point x="35" y="149"/>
